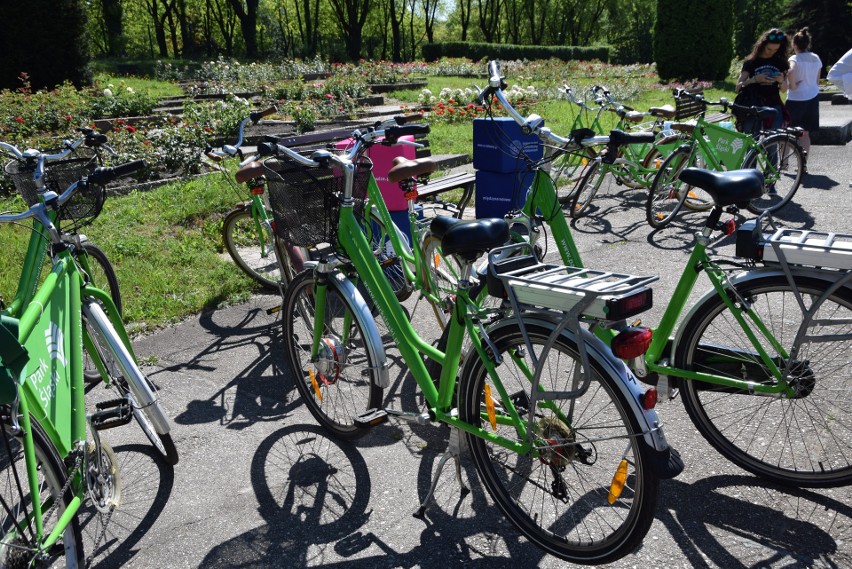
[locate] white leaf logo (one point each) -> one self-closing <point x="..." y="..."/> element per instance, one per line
<point x="55" y="343"/>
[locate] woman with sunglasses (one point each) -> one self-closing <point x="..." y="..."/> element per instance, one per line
<point x="764" y="78"/>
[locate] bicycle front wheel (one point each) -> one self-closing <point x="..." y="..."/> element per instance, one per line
<point x="781" y="160"/>
<point x="667" y="193"/>
<point x="796" y="441"/>
<point x="597" y="177"/>
<point x="19" y="544"/>
<point x="257" y="253"/>
<point x="339" y="385"/>
<point x="559" y="495"/>
<point x="94" y="262"/>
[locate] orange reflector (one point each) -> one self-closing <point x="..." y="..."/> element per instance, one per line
<point x="489" y="407"/>
<point x="315" y="384"/>
<point x="632" y="342"/>
<point x="585" y="161"/>
<point x="618" y="482"/>
<point x="658" y="163"/>
<point x="437" y="260"/>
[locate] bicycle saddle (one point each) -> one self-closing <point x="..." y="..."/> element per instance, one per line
<point x="404" y="168"/>
<point x="441" y="224"/>
<point x="666" y="111"/>
<point x="726" y="188"/>
<point x="248" y="172"/>
<point x="621" y="138"/>
<point x="470" y="239"/>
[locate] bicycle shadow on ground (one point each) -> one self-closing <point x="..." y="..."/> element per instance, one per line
<point x="315" y="494"/>
<point x="738" y="522"/>
<point x="147" y="484"/>
<point x="242" y="343"/>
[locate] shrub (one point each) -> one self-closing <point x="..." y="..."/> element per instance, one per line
<point x="693" y="39"/>
<point x="477" y="51"/>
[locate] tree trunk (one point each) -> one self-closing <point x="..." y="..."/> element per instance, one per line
<point x="112" y="12"/>
<point x="247" y="14"/>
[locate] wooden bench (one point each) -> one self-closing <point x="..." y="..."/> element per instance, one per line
<point x="466" y="181"/>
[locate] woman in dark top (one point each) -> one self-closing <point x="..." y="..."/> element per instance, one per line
<point x="764" y="75"/>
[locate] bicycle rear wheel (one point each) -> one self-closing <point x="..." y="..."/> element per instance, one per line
<point x="781" y="160"/>
<point x="558" y="496"/>
<point x="798" y="441"/>
<point x="597" y="177"/>
<point x="18" y="547"/>
<point x="667" y="194"/>
<point x="340" y="385"/>
<point x="257" y="253"/>
<point x="568" y="171"/>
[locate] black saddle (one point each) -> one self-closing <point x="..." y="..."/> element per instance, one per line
<point x="726" y="188"/>
<point x="469" y="239"/>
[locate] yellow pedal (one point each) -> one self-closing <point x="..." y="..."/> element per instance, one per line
<point x="489" y="407"/>
<point x="618" y="481"/>
<point x="315" y="384"/>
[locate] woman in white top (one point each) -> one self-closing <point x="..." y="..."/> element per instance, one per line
<point x="803" y="87"/>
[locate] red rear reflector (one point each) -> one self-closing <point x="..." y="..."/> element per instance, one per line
<point x="624" y="307"/>
<point x="649" y="399"/>
<point x="257" y="190"/>
<point x="729" y="227"/>
<point x="632" y="342"/>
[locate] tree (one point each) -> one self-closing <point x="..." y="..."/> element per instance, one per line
<point x="489" y="19"/>
<point x="113" y="27"/>
<point x="45" y="39"/>
<point x="693" y="40"/>
<point x="351" y="15"/>
<point x="465" y="10"/>
<point x="430" y="11"/>
<point x="246" y="11"/>
<point x="828" y="22"/>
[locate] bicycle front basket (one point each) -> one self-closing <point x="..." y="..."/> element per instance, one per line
<point x="306" y="201"/>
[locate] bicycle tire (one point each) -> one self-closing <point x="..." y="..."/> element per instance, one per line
<point x="441" y="279"/>
<point x="388" y="259"/>
<point x="803" y="450"/>
<point x="242" y="242"/>
<point x="568" y="171"/>
<point x="341" y="385"/>
<point x="14" y="550"/>
<point x="667" y="193"/>
<point x="148" y="413"/>
<point x="589" y="186"/>
<point x="102" y="275"/>
<point x="781" y="160"/>
<point x="569" y="513"/>
<point x="697" y="199"/>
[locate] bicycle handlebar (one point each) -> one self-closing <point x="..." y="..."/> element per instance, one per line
<point x="229" y="150"/>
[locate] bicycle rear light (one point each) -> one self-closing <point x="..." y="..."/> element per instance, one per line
<point x="632" y="342"/>
<point x="640" y="301"/>
<point x="257" y="190"/>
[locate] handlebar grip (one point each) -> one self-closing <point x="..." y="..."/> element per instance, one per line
<point x="102" y="176"/>
<point x="257" y="115"/>
<point x="267" y="148"/>
<point x="405" y="119"/>
<point x="392" y="133"/>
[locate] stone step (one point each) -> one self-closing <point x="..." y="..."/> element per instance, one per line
<point x="835" y="124"/>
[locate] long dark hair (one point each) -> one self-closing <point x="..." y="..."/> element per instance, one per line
<point x="802" y="39"/>
<point x="777" y="36"/>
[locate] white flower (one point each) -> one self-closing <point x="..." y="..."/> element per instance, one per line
<point x="130" y="90"/>
<point x="107" y="93"/>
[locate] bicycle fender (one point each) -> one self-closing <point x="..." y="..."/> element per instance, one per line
<point x="372" y="338"/>
<point x="648" y="420"/>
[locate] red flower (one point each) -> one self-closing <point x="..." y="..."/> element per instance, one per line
<point x="329" y="96"/>
<point x="147" y="143"/>
<point x="470" y="105"/>
<point x="20" y="119"/>
<point x="340" y="108"/>
<point x="119" y="121"/>
<point x="68" y="117"/>
<point x="130" y="128"/>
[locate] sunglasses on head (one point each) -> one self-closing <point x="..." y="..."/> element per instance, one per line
<point x="775" y="36"/>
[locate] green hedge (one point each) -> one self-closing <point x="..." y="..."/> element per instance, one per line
<point x="477" y="51"/>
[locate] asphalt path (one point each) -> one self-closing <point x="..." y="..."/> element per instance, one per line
<point x="259" y="484"/>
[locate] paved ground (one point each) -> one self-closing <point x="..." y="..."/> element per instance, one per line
<point x="260" y="485"/>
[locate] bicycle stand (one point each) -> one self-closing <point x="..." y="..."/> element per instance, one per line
<point x="454" y="450"/>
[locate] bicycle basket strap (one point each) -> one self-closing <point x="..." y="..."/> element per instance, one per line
<point x="13" y="358"/>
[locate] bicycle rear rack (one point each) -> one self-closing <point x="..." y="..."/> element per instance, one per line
<point x="815" y="248"/>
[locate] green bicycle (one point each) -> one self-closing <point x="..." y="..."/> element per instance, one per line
<point x="50" y="471"/>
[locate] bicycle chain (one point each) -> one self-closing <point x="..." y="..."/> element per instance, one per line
<point x="91" y="555"/>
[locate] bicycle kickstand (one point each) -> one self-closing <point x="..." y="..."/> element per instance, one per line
<point x="454" y="449"/>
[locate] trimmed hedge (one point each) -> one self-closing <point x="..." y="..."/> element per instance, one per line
<point x="477" y="51"/>
<point x="694" y="40"/>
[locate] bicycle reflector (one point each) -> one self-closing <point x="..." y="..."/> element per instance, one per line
<point x="632" y="342"/>
<point x="649" y="399"/>
<point x="620" y="308"/>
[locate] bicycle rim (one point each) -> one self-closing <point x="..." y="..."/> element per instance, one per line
<point x="339" y="386"/>
<point x="16" y="547"/>
<point x="597" y="177"/>
<point x="799" y="441"/>
<point x="667" y="193"/>
<point x="560" y="498"/>
<point x="568" y="172"/>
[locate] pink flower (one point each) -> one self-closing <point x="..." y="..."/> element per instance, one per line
<point x="329" y="96"/>
<point x="19" y="119"/>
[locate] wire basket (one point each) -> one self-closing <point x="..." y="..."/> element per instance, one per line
<point x="306" y="201"/>
<point x="87" y="201"/>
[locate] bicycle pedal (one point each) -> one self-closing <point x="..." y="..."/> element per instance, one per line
<point x="273" y="310"/>
<point x="111" y="414"/>
<point x="371" y="418"/>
